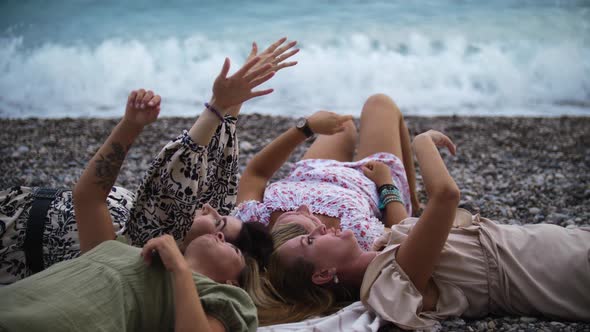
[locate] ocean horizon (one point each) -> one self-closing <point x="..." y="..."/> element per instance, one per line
<point x="80" y="58"/>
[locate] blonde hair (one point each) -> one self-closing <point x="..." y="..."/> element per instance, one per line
<point x="286" y="293"/>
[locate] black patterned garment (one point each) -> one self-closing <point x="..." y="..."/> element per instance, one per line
<point x="182" y="178"/>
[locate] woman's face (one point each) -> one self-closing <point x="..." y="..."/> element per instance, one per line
<point x="302" y="216"/>
<point x="322" y="247"/>
<point x="212" y="256"/>
<point x="208" y="221"/>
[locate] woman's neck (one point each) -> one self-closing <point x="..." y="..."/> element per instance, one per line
<point x="353" y="274"/>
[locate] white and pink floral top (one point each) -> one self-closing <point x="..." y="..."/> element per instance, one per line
<point x="331" y="188"/>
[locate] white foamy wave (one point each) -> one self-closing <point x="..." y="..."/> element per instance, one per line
<point x="449" y="75"/>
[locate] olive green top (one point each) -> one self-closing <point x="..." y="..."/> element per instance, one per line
<point x="110" y="288"/>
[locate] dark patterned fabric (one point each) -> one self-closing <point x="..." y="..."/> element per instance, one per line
<point x="182" y="178"/>
<point x="60" y="238"/>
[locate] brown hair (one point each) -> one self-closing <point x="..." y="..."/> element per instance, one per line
<point x="255" y="240"/>
<point x="288" y="293"/>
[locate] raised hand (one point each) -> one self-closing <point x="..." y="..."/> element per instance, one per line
<point x="168" y="252"/>
<point x="441" y="140"/>
<point x="377" y="172"/>
<point x="275" y="55"/>
<point x="327" y="123"/>
<point x="143" y="108"/>
<point x="238" y="88"/>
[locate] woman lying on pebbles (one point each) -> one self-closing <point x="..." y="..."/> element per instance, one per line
<point x="445" y="263"/>
<point x="112" y="286"/>
<point x="330" y="181"/>
<point x="193" y="177"/>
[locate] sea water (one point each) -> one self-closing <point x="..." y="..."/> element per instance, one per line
<point x="80" y="58"/>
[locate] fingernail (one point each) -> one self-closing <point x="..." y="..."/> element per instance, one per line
<point x="136" y="105"/>
<point x="142" y="105"/>
<point x="151" y="103"/>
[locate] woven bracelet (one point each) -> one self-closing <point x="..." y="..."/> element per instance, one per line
<point x="215" y="111"/>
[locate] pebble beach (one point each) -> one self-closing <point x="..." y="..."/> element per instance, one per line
<point x="511" y="169"/>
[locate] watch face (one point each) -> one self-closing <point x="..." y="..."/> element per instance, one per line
<point x="301" y="123"/>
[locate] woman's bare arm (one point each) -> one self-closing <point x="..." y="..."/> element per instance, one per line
<point x="189" y="314"/>
<point x="420" y="252"/>
<point x="380" y="174"/>
<point x="91" y="191"/>
<point x="266" y="162"/>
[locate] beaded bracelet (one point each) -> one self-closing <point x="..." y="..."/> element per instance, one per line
<point x="386" y="186"/>
<point x="215" y="111"/>
<point x="390" y="198"/>
<point x="389" y="193"/>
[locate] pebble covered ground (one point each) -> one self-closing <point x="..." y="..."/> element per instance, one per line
<point x="513" y="170"/>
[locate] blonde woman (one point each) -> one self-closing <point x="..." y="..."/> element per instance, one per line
<point x="334" y="181"/>
<point x="445" y="263"/>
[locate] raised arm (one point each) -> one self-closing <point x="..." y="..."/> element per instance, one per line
<point x="229" y="93"/>
<point x="177" y="182"/>
<point x="266" y="162"/>
<point x="221" y="185"/>
<point x="419" y="253"/>
<point x="91" y="190"/>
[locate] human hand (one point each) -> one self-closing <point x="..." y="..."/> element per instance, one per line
<point x="143" y="108"/>
<point x="168" y="252"/>
<point x="275" y="54"/>
<point x="377" y="172"/>
<point x="236" y="89"/>
<point x="441" y="140"/>
<point x="381" y="242"/>
<point x="327" y="123"/>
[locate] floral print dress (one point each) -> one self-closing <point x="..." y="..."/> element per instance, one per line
<point x="182" y="178"/>
<point x="332" y="188"/>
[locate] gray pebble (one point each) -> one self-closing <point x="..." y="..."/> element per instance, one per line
<point x="246" y="146"/>
<point x="523" y="177"/>
<point x="22" y="149"/>
<point x="534" y="210"/>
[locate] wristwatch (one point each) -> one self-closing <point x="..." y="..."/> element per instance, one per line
<point x="303" y="126"/>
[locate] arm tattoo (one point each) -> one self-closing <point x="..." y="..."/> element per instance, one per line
<point x="107" y="168"/>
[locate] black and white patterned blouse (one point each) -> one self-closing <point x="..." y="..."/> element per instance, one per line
<point x="182" y="178"/>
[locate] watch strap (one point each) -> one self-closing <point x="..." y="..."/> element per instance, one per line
<point x="305" y="128"/>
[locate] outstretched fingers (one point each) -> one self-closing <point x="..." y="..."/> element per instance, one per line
<point x="256" y="82"/>
<point x="251" y="63"/>
<point x="261" y="93"/>
<point x="285" y="56"/>
<point x="274" y="46"/>
<point x="257" y="72"/>
<point x="282" y="49"/>
<point x="253" y="52"/>
<point x="285" y="65"/>
<point x="224" y="69"/>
